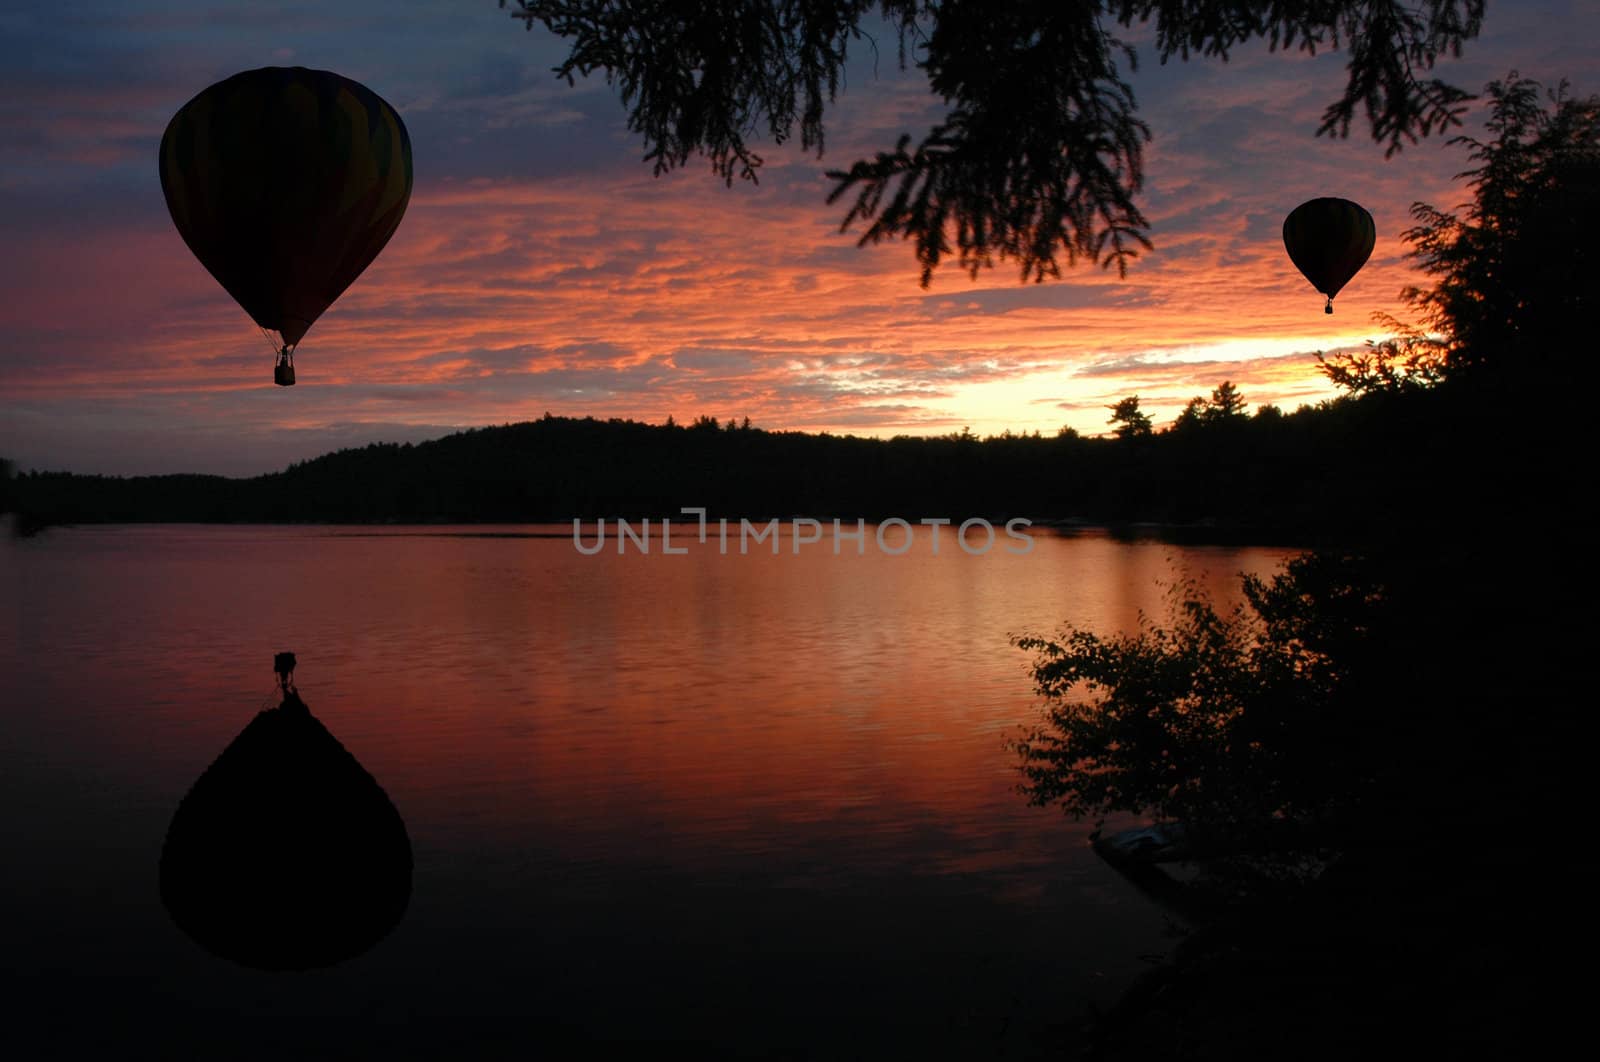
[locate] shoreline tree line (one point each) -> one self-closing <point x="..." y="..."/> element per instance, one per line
<point x="1271" y="474"/>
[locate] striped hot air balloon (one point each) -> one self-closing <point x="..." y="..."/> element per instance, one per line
<point x="286" y="183"/>
<point x="1329" y="240"/>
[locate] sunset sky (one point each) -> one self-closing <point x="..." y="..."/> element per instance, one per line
<point x="540" y="267"/>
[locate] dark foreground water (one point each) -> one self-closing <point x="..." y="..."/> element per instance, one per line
<point x="757" y="804"/>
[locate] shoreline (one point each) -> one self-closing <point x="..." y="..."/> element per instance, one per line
<point x="1198" y="533"/>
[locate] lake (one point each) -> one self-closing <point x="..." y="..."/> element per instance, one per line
<point x="757" y="803"/>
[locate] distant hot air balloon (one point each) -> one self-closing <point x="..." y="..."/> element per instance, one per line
<point x="286" y="183"/>
<point x="1329" y="240"/>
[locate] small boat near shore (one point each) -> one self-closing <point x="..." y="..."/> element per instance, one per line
<point x="1170" y="842"/>
<point x="1145" y="856"/>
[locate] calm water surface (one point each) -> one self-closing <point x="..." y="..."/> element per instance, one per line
<point x="759" y="802"/>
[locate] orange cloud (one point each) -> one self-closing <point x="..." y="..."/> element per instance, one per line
<point x="615" y="294"/>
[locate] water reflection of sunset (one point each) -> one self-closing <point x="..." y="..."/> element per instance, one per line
<point x="729" y="706"/>
<point x="505" y="688"/>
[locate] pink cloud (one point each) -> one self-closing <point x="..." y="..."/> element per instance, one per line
<point x="616" y="294"/>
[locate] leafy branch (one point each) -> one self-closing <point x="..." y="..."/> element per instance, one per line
<point x="1039" y="158"/>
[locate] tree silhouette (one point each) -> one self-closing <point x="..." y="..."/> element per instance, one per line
<point x="1192" y="417"/>
<point x="1204" y="719"/>
<point x="1040" y="156"/>
<point x="1513" y="275"/>
<point x="1226" y="404"/>
<point x="1413" y="359"/>
<point x="1131" y="422"/>
<point x="1423" y="631"/>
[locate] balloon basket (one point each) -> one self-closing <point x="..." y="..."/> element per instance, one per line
<point x="283" y="371"/>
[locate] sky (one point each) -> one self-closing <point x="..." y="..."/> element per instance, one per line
<point x="541" y="267"/>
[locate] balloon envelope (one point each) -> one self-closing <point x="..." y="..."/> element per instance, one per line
<point x="1329" y="240"/>
<point x="286" y="183"/>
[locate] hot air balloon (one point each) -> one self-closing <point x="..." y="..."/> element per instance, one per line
<point x="1329" y="240"/>
<point x="286" y="183"/>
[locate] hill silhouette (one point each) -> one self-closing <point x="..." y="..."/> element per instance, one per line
<point x="1271" y="474"/>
